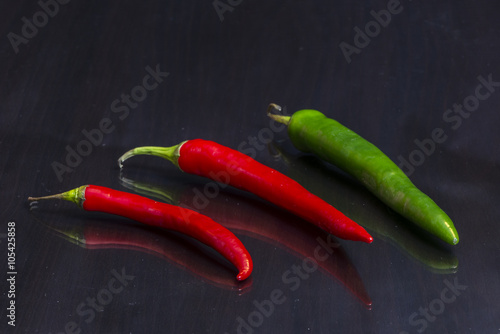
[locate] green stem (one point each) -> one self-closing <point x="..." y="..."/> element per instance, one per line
<point x="278" y="118"/>
<point x="76" y="196"/>
<point x="170" y="153"/>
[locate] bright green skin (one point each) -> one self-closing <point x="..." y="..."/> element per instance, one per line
<point x="311" y="131"/>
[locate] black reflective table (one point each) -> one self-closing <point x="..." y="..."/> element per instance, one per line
<point x="83" y="82"/>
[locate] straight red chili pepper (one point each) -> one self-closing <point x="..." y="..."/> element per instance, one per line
<point x="150" y="212"/>
<point x="222" y="164"/>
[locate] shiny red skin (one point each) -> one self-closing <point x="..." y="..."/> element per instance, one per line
<point x="171" y="217"/>
<point x="220" y="163"/>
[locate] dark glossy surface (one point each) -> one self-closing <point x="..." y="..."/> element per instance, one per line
<point x="82" y="71"/>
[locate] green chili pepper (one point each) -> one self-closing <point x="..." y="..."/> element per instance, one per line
<point x="311" y="131"/>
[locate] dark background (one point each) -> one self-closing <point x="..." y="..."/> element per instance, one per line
<point x="70" y="75"/>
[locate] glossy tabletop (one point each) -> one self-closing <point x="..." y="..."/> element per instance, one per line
<point x="82" y="82"/>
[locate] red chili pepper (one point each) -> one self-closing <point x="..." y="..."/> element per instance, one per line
<point x="147" y="211"/>
<point x="225" y="165"/>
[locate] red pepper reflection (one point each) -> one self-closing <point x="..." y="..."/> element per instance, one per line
<point x="166" y="245"/>
<point x="273" y="226"/>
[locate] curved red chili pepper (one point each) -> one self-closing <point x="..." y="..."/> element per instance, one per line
<point x="147" y="211"/>
<point x="222" y="164"/>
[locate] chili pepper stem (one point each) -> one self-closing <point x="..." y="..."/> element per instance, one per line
<point x="76" y="196"/>
<point x="278" y="118"/>
<point x="170" y="153"/>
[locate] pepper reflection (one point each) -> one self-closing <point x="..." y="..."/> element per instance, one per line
<point x="166" y="245"/>
<point x="371" y="214"/>
<point x="295" y="236"/>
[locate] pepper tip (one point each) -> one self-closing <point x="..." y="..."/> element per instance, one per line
<point x="365" y="237"/>
<point x="244" y="273"/>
